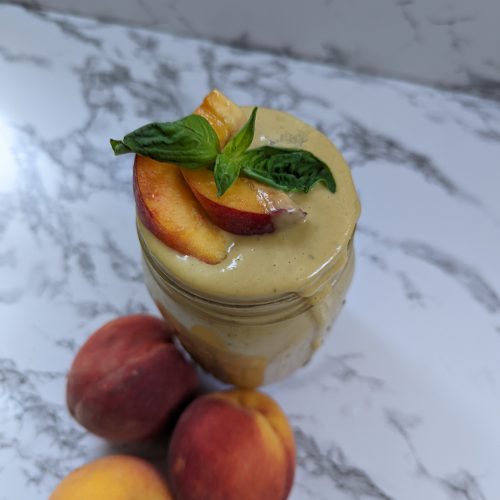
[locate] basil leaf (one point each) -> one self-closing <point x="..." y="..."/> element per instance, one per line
<point x="228" y="163"/>
<point x="226" y="171"/>
<point x="190" y="142"/>
<point x="286" y="169"/>
<point x="242" y="140"/>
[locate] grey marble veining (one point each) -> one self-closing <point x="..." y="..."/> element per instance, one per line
<point x="401" y="402"/>
<point x="451" y="43"/>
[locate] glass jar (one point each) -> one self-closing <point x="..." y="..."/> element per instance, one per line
<point x="251" y="343"/>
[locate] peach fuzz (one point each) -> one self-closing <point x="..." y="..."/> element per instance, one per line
<point x="116" y="477"/>
<point x="229" y="445"/>
<point x="128" y="380"/>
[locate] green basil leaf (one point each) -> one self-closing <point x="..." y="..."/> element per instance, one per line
<point x="227" y="164"/>
<point x="190" y="142"/>
<point x="226" y="171"/>
<point x="286" y="169"/>
<point x="242" y="140"/>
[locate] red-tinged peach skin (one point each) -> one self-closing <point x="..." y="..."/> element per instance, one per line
<point x="129" y="380"/>
<point x="115" y="477"/>
<point x="232" y="445"/>
<point x="168" y="208"/>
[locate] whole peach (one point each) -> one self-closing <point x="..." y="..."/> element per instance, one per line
<point x="232" y="445"/>
<point x="129" y="379"/>
<point x="116" y="477"/>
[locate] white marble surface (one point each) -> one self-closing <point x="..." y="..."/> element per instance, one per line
<point x="402" y="402"/>
<point x="447" y="42"/>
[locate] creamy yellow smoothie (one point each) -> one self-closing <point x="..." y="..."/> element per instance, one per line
<point x="262" y="312"/>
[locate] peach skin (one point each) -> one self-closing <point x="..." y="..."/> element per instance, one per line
<point x="116" y="477"/>
<point x="128" y="380"/>
<point x="230" y="445"/>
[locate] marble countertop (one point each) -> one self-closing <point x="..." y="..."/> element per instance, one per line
<point x="403" y="400"/>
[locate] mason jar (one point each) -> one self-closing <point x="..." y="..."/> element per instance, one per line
<point x="261" y="312"/>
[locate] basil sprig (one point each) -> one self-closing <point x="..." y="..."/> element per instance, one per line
<point x="192" y="143"/>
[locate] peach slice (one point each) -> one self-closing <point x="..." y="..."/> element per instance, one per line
<point x="225" y="116"/>
<point x="247" y="207"/>
<point x="167" y="207"/>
